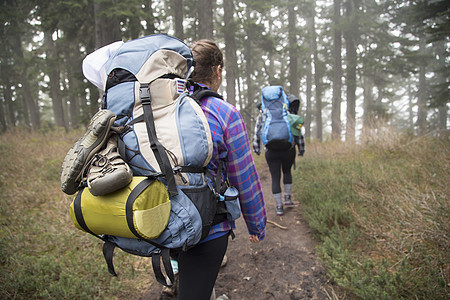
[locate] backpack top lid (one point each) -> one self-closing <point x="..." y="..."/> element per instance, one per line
<point x="273" y="92"/>
<point x="273" y="97"/>
<point x="151" y="57"/>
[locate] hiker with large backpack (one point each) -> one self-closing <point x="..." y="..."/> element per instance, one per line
<point x="162" y="171"/>
<point x="199" y="266"/>
<point x="273" y="129"/>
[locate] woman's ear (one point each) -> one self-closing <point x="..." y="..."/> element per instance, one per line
<point x="218" y="72"/>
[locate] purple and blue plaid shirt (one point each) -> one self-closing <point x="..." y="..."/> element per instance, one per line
<point x="232" y="145"/>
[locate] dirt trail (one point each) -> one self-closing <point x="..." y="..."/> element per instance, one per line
<point x="283" y="266"/>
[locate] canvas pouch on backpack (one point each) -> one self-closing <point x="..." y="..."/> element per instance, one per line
<point x="276" y="133"/>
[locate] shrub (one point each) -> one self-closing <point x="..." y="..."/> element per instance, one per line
<point x="381" y="211"/>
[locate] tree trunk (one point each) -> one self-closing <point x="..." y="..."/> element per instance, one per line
<point x="308" y="118"/>
<point x="337" y="74"/>
<point x="73" y="87"/>
<point x="351" y="73"/>
<point x="410" y="94"/>
<point x="30" y="104"/>
<point x="442" y="109"/>
<point x="178" y="12"/>
<point x="54" y="79"/>
<point x="107" y="28"/>
<point x="150" y="19"/>
<point x="230" y="50"/>
<point x="270" y="69"/>
<point x="107" y="31"/>
<point x="205" y="19"/>
<point x="309" y="79"/>
<point x="32" y="116"/>
<point x="318" y="108"/>
<point x="8" y="96"/>
<point x="134" y="24"/>
<point x="293" y="49"/>
<point x="251" y="105"/>
<point x="368" y="114"/>
<point x="94" y="97"/>
<point x="2" y="117"/>
<point x="421" y="93"/>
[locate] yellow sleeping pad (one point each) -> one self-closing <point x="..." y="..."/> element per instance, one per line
<point x="140" y="210"/>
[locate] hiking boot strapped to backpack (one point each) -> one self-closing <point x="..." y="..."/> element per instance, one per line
<point x="79" y="156"/>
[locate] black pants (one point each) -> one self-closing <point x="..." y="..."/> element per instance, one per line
<point x="198" y="269"/>
<point x="280" y="160"/>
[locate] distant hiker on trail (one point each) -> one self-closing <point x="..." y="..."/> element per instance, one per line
<point x="296" y="122"/>
<point x="199" y="266"/>
<point x="278" y="128"/>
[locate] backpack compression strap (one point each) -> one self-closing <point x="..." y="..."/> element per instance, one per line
<point x="158" y="149"/>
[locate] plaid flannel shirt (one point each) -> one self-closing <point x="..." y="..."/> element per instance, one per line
<point x="257" y="135"/>
<point x="300" y="142"/>
<point x="232" y="145"/>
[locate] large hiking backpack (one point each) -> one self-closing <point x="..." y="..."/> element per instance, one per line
<point x="164" y="136"/>
<point x="276" y="133"/>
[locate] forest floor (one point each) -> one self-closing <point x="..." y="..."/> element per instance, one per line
<point x="283" y="266"/>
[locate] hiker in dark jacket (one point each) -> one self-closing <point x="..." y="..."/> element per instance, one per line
<point x="199" y="266"/>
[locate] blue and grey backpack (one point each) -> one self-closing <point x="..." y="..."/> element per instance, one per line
<point x="276" y="133"/>
<point x="163" y="135"/>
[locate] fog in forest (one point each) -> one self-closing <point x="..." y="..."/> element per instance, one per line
<point x="357" y="65"/>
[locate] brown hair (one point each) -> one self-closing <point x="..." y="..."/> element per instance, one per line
<point x="207" y="55"/>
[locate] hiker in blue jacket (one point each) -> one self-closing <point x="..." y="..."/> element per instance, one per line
<point x="280" y="161"/>
<point x="199" y="266"/>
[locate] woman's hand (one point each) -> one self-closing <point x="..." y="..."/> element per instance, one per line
<point x="254" y="239"/>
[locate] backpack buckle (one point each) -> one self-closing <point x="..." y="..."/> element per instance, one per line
<point x="144" y="93"/>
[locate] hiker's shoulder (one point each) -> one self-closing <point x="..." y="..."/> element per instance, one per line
<point x="223" y="108"/>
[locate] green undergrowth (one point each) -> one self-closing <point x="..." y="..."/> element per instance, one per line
<point x="42" y="255"/>
<point x="381" y="211"/>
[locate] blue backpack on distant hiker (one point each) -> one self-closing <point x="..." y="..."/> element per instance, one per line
<point x="276" y="133"/>
<point x="164" y="137"/>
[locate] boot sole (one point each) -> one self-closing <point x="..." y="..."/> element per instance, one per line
<point x="82" y="151"/>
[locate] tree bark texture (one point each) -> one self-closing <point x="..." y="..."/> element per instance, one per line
<point x="54" y="79"/>
<point x="230" y="51"/>
<point x="251" y="90"/>
<point x="318" y="100"/>
<point x="178" y="9"/>
<point x="107" y="29"/>
<point x="150" y="19"/>
<point x="293" y="49"/>
<point x="337" y="73"/>
<point x="205" y="19"/>
<point x="32" y="116"/>
<point x="351" y="73"/>
<point x="421" y="93"/>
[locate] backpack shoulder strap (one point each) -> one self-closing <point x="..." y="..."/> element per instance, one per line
<point x="158" y="149"/>
<point x="201" y="92"/>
